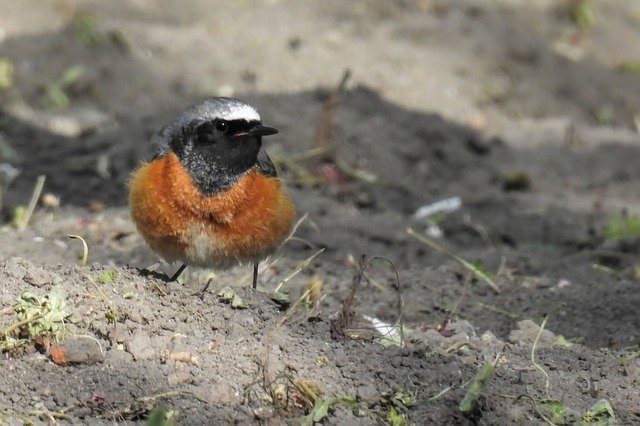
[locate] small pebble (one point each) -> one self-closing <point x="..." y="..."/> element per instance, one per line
<point x="76" y="351"/>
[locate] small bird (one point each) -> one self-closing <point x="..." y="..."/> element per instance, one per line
<point x="211" y="196"/>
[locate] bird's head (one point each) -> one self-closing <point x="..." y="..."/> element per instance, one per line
<point x="216" y="141"/>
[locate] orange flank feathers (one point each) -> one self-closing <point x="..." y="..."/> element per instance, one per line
<point x="242" y="224"/>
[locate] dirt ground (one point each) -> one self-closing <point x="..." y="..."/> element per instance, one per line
<point x="527" y="111"/>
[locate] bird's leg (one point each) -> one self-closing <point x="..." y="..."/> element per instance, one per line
<point x="177" y="274"/>
<point x="255" y="275"/>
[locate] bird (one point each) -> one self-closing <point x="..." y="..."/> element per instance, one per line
<point x="211" y="196"/>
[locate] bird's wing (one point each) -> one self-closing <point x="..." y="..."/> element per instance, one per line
<point x="265" y="165"/>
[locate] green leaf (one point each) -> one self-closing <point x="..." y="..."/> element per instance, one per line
<point x="129" y="295"/>
<point x="563" y="341"/>
<point x="280" y="298"/>
<point x="56" y="300"/>
<point x="622" y="227"/>
<point x="405" y="398"/>
<point x="323" y="407"/>
<point x="630" y="67"/>
<point x="238" y="303"/>
<point x="600" y="413"/>
<point x="399" y="397"/>
<point x="87" y="30"/>
<point x="605" y="114"/>
<point x="322" y="360"/>
<point x="517" y="181"/>
<point x="108" y="277"/>
<point x="56" y="97"/>
<point x="396" y="418"/>
<point x="29" y="298"/>
<point x="226" y="294"/>
<point x="71" y="76"/>
<point x="229" y="296"/>
<point x="349" y="400"/>
<point x="319" y="411"/>
<point x="19" y="213"/>
<point x="111" y="316"/>
<point x="584" y="14"/>
<point x="158" y="417"/>
<point x="6" y="73"/>
<point x="476" y="387"/>
<point x="558" y="410"/>
<point x="46" y="316"/>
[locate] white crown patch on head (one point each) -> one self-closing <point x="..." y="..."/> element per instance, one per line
<point x="225" y="109"/>
<point x="238" y="111"/>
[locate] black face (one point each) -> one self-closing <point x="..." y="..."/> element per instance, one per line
<point x="217" y="153"/>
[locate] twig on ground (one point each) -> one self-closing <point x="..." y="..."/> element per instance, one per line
<point x="345" y="318"/>
<point x="322" y="136"/>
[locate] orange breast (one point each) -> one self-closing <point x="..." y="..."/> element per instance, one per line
<point x="244" y="223"/>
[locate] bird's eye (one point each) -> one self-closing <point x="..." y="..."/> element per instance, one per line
<point x="222" y="126"/>
<point x="204" y="134"/>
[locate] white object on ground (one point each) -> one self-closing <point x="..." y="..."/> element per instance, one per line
<point x="443" y="206"/>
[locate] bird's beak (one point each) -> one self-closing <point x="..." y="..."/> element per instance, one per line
<point x="261" y="130"/>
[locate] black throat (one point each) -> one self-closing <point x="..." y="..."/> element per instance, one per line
<point x="212" y="179"/>
<point x="216" y="159"/>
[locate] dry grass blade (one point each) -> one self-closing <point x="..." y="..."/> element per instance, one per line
<point x="465" y="287"/>
<point x="476" y="271"/>
<point x="14" y="327"/>
<point x="533" y="353"/>
<point x="85" y="248"/>
<point x="291" y="237"/>
<point x="265" y="353"/>
<point x="37" y="190"/>
<point x="342" y="325"/>
<point x="359" y="174"/>
<point x="535" y="406"/>
<point x="51" y="416"/>
<point x="345" y="318"/>
<point x="309" y="154"/>
<point x="439" y="394"/>
<point x="299" y="268"/>
<point x="323" y="150"/>
<point x="296" y="226"/>
<point x="400" y="325"/>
